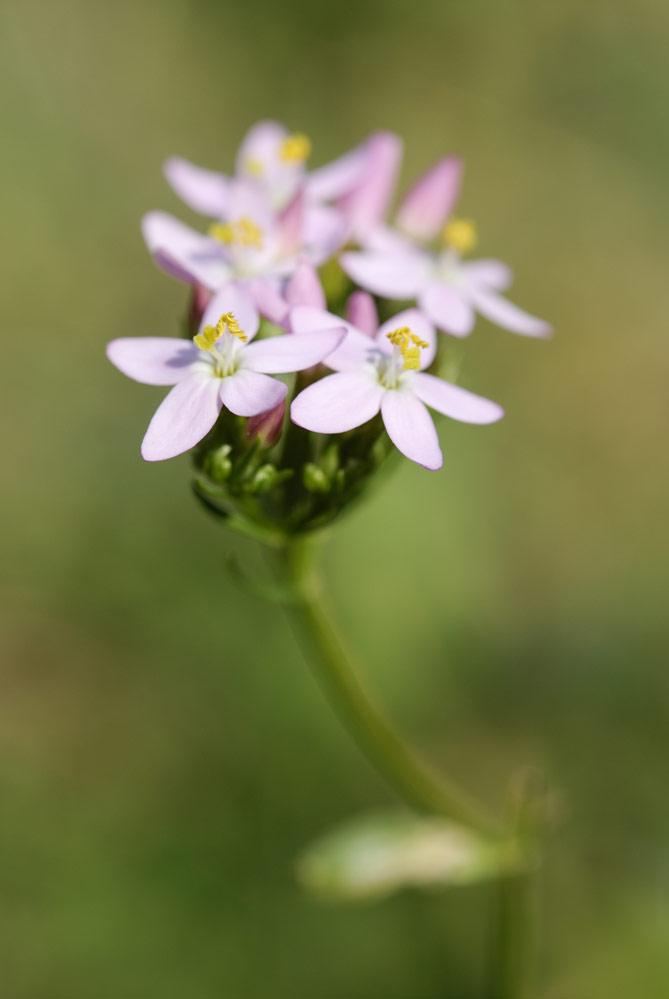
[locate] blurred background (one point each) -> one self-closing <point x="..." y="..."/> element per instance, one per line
<point x="164" y="753"/>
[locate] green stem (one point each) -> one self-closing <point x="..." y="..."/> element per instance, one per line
<point x="512" y="938"/>
<point x="411" y="778"/>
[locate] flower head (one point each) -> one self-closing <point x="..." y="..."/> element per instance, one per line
<point x="275" y="159"/>
<point x="220" y="367"/>
<point x="450" y="291"/>
<point x="386" y="373"/>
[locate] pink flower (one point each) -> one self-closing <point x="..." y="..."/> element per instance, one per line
<point x="448" y="290"/>
<point x="220" y="367"/>
<point x="256" y="246"/>
<point x="385" y="373"/>
<point x="275" y="160"/>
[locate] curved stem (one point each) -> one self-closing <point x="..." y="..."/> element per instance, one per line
<point x="411" y="778"/>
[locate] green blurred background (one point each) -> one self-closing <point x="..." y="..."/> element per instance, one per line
<point x="164" y="753"/>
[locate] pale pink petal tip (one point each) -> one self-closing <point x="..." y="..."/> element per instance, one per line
<point x="152" y="360"/>
<point x="183" y="418"/>
<point x="431" y="200"/>
<point x="507" y="315"/>
<point x="205" y="191"/>
<point x="410" y="428"/>
<point x="456" y="402"/>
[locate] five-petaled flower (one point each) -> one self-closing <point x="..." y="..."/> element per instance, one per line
<point x="220" y="367"/>
<point x="383" y="371"/>
<point x="275" y="159"/>
<point x="254" y="245"/>
<point x="448" y="290"/>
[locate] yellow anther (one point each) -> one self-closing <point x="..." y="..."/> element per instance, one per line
<point x="295" y="148"/>
<point x="244" y="232"/>
<point x="224" y="232"/>
<point x="410" y="346"/>
<point x="210" y="334"/>
<point x="460" y="235"/>
<point x="254" y="166"/>
<point x="228" y="319"/>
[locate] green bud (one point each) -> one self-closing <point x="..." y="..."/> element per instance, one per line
<point x="314" y="478"/>
<point x="264" y="479"/>
<point x="218" y="465"/>
<point x="330" y="459"/>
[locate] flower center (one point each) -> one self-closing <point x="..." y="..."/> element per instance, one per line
<point x="242" y="232"/>
<point x="460" y="235"/>
<point x="409" y="346"/>
<point x="295" y="149"/>
<point x="222" y="343"/>
<point x="254" y="167"/>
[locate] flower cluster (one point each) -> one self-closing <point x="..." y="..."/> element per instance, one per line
<point x="311" y="262"/>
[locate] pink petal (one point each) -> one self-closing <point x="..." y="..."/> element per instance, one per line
<point x="361" y="312"/>
<point x="431" y="200"/>
<point x="384" y="239"/>
<point x="268" y="299"/>
<point x="336" y="178"/>
<point x="507" y="315"/>
<point x="261" y="145"/>
<point x="324" y="233"/>
<point x="447" y="308"/>
<point x="153" y="360"/>
<point x="247" y="393"/>
<point x="456" y="402"/>
<point x="419" y="324"/>
<point x="366" y="205"/>
<point x="410" y="428"/>
<point x="235" y="299"/>
<point x="280" y="354"/>
<point x="184" y="253"/>
<point x="183" y="418"/>
<point x="489" y="273"/>
<point x="305" y="288"/>
<point x="204" y="191"/>
<point x="393" y="275"/>
<point x="250" y="200"/>
<point x="290" y="225"/>
<point x="353" y="351"/>
<point x="337" y="403"/>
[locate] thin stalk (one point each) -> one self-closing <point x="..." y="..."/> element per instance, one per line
<point x="512" y="938"/>
<point x="411" y="778"/>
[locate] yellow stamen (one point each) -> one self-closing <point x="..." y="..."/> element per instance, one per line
<point x="295" y="148"/>
<point x="244" y="232"/>
<point x="410" y="346"/>
<point x="210" y="334"/>
<point x="254" y="167"/>
<point x="460" y="235"/>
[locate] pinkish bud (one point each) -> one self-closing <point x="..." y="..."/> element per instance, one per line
<point x="267" y="425"/>
<point x="200" y="298"/>
<point x="361" y="312"/>
<point x="304" y="288"/>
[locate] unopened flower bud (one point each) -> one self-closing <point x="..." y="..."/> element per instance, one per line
<point x="315" y="479"/>
<point x="361" y="312"/>
<point x="218" y="464"/>
<point x="267" y="426"/>
<point x="267" y="477"/>
<point x="200" y="297"/>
